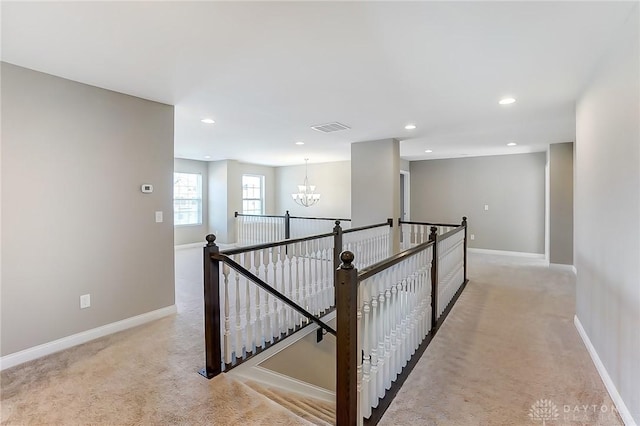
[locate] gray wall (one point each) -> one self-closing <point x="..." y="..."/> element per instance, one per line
<point x="375" y="183"/>
<point x="561" y="203"/>
<point x="333" y="183"/>
<point x="607" y="212"/>
<point x="74" y="219"/>
<point x="187" y="234"/>
<point x="513" y="187"/>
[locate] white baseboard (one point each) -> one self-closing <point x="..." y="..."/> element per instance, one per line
<point x="507" y="253"/>
<point x="563" y="267"/>
<point x="35" y="352"/>
<point x="611" y="387"/>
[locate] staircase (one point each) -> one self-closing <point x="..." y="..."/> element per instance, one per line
<point x="313" y="410"/>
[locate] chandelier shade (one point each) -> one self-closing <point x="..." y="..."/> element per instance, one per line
<point x="306" y="195"/>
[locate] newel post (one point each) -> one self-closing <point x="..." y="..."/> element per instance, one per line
<point x="346" y="341"/>
<point x="433" y="236"/>
<point x="464" y="223"/>
<point x="213" y="352"/>
<point x="287" y="225"/>
<point x="337" y="244"/>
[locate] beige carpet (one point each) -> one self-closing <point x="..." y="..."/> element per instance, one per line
<point x="509" y="342"/>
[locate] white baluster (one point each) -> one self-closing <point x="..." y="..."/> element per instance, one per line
<point x="374" y="344"/>
<point x="366" y="352"/>
<point x="290" y="287"/>
<point x="239" y="353"/>
<point x="226" y="344"/>
<point x="250" y="319"/>
<point x="268" y="330"/>
<point x="258" y="331"/>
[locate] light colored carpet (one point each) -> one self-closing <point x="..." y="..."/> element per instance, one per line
<point x="509" y="342"/>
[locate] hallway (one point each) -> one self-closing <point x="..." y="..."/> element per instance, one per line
<point x="509" y="342"/>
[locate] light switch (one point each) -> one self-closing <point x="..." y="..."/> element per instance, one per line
<point x="486" y="207"/>
<point x="158" y="217"/>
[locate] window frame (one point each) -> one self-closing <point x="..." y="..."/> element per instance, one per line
<point x="198" y="199"/>
<point x="261" y="199"/>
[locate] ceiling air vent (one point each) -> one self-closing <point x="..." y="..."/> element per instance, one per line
<point x="330" y="127"/>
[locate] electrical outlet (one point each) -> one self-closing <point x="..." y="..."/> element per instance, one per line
<point x="85" y="301"/>
<point x="486" y="207"/>
<point x="473" y="236"/>
<point x="159" y="218"/>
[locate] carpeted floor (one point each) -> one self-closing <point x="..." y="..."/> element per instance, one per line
<point x="509" y="342"/>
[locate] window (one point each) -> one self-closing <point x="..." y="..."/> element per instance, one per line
<point x="252" y="194"/>
<point x="187" y="199"/>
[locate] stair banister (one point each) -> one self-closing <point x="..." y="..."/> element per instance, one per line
<point x="213" y="355"/>
<point x="346" y="341"/>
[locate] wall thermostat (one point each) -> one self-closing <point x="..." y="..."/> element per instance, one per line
<point x="146" y="188"/>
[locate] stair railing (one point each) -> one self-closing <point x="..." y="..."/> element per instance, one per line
<point x="414" y="233"/>
<point x="260" y="229"/>
<point x="387" y="314"/>
<point x="240" y="318"/>
<point x="250" y="317"/>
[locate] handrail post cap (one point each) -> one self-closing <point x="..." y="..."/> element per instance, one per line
<point x="434" y="229"/>
<point x="337" y="222"/>
<point x="210" y="240"/>
<point x="347" y="259"/>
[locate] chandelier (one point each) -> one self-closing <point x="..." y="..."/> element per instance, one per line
<point x="306" y="195"/>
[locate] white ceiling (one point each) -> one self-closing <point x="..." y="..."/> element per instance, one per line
<point x="266" y="72"/>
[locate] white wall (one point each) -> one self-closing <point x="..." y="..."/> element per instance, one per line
<point x="225" y="195"/>
<point x="513" y="187"/>
<point x="607" y="212"/>
<point x="74" y="220"/>
<point x="186" y="234"/>
<point x="333" y="183"/>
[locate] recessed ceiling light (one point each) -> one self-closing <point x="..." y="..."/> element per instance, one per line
<point x="512" y="144"/>
<point x="410" y="126"/>
<point x="506" y="101"/>
<point x="428" y="151"/>
<point x="299" y="143"/>
<point x="207" y="156"/>
<point x="207" y="121"/>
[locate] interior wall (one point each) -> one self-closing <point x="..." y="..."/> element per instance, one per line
<point x="375" y="183"/>
<point x="225" y="195"/>
<point x="561" y="203"/>
<point x="512" y="186"/>
<point x="187" y="234"/>
<point x="74" y="219"/>
<point x="270" y="185"/>
<point x="333" y="183"/>
<point x="218" y="211"/>
<point x="607" y="212"/>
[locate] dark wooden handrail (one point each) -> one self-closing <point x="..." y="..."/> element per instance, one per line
<point x="320" y="218"/>
<point x="236" y="214"/>
<point x="402" y="222"/>
<point x="275" y="293"/>
<point x="276" y="244"/>
<point x="389" y="222"/>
